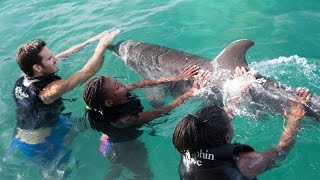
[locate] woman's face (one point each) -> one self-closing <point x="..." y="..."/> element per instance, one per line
<point x="114" y="91"/>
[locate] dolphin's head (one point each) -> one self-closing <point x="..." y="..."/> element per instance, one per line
<point x="115" y="48"/>
<point x="123" y="50"/>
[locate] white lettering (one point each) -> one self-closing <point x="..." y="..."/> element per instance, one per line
<point x="187" y="159"/>
<point x="205" y="155"/>
<point x="19" y="94"/>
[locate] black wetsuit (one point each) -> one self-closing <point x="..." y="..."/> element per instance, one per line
<point x="216" y="163"/>
<point x="31" y="112"/>
<point x="112" y="114"/>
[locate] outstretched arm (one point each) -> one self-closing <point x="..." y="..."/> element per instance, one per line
<point x="186" y="74"/>
<point x="77" y="47"/>
<point x="145" y="117"/>
<point x="255" y="163"/>
<point x="56" y="89"/>
<point x="297" y="112"/>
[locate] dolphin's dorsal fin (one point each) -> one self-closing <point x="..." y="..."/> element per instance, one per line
<point x="234" y="54"/>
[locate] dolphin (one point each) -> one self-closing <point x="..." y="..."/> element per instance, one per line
<point x="153" y="61"/>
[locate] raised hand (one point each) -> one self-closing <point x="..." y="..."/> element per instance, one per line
<point x="189" y="72"/>
<point x="108" y="37"/>
<point x="100" y="35"/>
<point x="297" y="110"/>
<point x="303" y="95"/>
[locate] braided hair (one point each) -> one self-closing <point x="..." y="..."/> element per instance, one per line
<point x="92" y="95"/>
<point x="207" y="129"/>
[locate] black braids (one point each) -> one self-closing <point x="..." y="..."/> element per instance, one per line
<point x="92" y="96"/>
<point x="205" y="130"/>
<point x="92" y="92"/>
<point x="185" y="135"/>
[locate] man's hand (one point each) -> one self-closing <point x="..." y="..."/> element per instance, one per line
<point x="77" y="47"/>
<point x="188" y="73"/>
<point x="107" y="38"/>
<point x="99" y="36"/>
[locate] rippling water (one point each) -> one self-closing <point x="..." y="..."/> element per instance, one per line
<point x="286" y="48"/>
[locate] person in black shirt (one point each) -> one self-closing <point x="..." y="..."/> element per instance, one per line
<point x="43" y="131"/>
<point x="116" y="112"/>
<point x="204" y="141"/>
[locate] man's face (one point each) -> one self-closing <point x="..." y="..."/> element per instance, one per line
<point x="48" y="62"/>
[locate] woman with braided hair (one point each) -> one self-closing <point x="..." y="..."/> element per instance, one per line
<point x="204" y="141"/>
<point x="118" y="114"/>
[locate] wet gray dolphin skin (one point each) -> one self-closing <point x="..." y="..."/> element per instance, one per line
<point x="154" y="61"/>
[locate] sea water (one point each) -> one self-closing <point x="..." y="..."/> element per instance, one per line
<point x="286" y="49"/>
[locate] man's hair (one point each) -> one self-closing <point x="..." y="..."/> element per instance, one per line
<point x="205" y="130"/>
<point x="28" y="55"/>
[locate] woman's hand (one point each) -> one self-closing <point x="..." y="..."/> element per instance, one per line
<point x="297" y="110"/>
<point x="188" y="73"/>
<point x="200" y="80"/>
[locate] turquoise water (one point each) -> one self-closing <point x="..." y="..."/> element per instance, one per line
<point x="286" y="49"/>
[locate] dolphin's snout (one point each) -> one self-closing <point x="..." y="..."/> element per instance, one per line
<point x="115" y="47"/>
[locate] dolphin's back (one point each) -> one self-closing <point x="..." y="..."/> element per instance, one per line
<point x="137" y="54"/>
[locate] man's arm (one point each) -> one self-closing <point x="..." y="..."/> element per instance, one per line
<point x="77" y="47"/>
<point x="56" y="89"/>
<point x="254" y="163"/>
<point x="186" y="74"/>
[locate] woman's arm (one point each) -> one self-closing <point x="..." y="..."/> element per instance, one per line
<point x="186" y="74"/>
<point x="147" y="116"/>
<point x="77" y="47"/>
<point x="254" y="163"/>
<point x="295" y="115"/>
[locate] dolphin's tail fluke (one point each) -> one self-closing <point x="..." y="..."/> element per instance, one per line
<point x="234" y="54"/>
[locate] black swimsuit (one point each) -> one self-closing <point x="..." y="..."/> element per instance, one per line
<point x="112" y="114"/>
